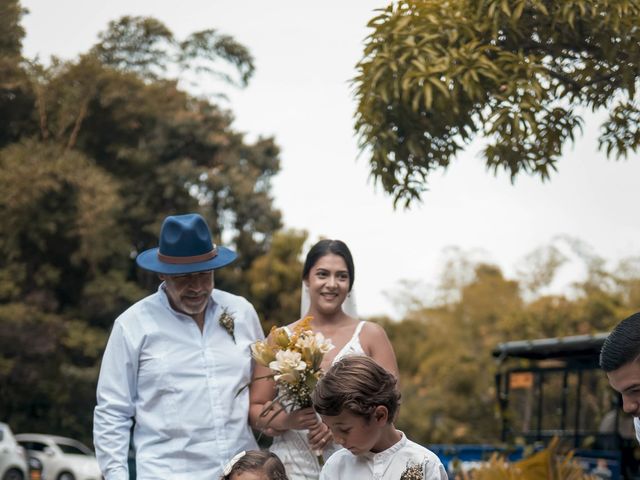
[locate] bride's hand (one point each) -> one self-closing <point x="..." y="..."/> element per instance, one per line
<point x="319" y="436"/>
<point x="304" y="418"/>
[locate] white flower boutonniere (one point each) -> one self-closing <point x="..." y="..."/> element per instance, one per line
<point x="227" y="321"/>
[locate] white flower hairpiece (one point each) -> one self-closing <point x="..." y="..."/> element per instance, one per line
<point x="229" y="466"/>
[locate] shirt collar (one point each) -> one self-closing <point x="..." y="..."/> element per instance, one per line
<point x="383" y="455"/>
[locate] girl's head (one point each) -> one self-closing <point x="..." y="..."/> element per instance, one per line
<point x="326" y="247"/>
<point x="255" y="465"/>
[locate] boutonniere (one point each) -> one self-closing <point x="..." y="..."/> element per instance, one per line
<point x="227" y="322"/>
<point x="413" y="472"/>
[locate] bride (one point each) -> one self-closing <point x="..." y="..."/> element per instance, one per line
<point x="299" y="435"/>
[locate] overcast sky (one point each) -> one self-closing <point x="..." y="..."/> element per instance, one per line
<point x="305" y="55"/>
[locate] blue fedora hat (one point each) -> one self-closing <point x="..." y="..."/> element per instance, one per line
<point x="185" y="247"/>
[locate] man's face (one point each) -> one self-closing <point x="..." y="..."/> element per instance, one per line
<point x="189" y="293"/>
<point x="626" y="380"/>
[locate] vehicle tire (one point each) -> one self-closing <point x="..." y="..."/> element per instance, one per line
<point x="66" y="476"/>
<point x="13" y="474"/>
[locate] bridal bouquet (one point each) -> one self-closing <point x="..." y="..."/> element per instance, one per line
<point x="295" y="361"/>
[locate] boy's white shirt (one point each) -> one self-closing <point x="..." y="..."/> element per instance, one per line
<point x="386" y="465"/>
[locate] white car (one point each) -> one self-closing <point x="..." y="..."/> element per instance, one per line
<point x="13" y="463"/>
<point x="62" y="458"/>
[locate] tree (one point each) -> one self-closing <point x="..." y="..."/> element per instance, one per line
<point x="444" y="346"/>
<point x="435" y="75"/>
<point x="146" y="46"/>
<point x="16" y="102"/>
<point x="276" y="279"/>
<point x="94" y="153"/>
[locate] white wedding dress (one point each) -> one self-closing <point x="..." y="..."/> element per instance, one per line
<point x="293" y="447"/>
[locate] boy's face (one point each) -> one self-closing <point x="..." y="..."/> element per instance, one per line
<point x="355" y="433"/>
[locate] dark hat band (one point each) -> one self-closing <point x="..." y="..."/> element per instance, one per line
<point x="191" y="259"/>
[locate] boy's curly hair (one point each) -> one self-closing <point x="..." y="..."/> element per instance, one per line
<point x="358" y="384"/>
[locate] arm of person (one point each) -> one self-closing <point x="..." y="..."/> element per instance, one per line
<point x="267" y="415"/>
<point x="113" y="415"/>
<point x="377" y="345"/>
<point x="263" y="411"/>
<point x="319" y="436"/>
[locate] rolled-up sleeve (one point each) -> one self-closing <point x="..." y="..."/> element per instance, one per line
<point x="115" y="409"/>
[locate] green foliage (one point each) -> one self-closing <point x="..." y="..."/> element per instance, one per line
<point x="15" y="101"/>
<point x="435" y="74"/>
<point x="94" y="154"/>
<point x="146" y="46"/>
<point x="48" y="370"/>
<point x="275" y="280"/>
<point x="12" y="32"/>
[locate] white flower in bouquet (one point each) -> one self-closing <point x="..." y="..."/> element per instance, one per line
<point x="262" y="353"/>
<point x="289" y="364"/>
<point x="314" y="342"/>
<point x="313" y="348"/>
<point x="294" y="358"/>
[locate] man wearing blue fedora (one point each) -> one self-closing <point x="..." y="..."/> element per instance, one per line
<point x="174" y="364"/>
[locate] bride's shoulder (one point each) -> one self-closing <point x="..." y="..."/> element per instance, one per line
<point x="290" y="327"/>
<point x="372" y="331"/>
<point x="294" y="324"/>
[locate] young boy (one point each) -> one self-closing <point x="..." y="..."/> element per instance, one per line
<point x="358" y="400"/>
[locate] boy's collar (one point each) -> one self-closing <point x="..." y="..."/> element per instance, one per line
<point x="389" y="451"/>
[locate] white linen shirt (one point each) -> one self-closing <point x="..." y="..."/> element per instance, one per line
<point x="386" y="465"/>
<point x="180" y="385"/>
<point x="636" y="425"/>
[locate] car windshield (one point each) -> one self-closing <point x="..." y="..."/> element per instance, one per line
<point x="75" y="449"/>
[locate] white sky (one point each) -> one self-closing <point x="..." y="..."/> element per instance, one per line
<point x="305" y="55"/>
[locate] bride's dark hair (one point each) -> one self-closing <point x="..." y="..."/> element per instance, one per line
<point x="325" y="247"/>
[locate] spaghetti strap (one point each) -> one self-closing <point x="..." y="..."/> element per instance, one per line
<point x="353" y="346"/>
<point x="356" y="333"/>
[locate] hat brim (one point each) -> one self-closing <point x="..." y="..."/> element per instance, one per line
<point x="149" y="261"/>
